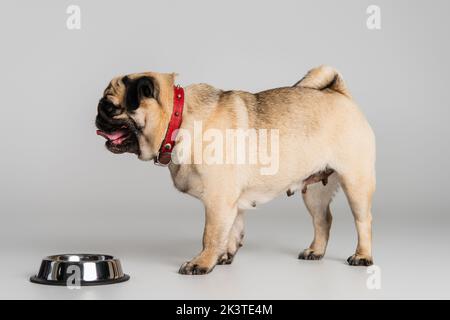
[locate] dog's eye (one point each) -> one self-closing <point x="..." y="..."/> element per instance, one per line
<point x="137" y="90"/>
<point x="146" y="92"/>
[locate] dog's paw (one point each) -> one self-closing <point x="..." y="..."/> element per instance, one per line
<point x="195" y="267"/>
<point x="308" y="254"/>
<point x="360" y="260"/>
<point x="226" y="258"/>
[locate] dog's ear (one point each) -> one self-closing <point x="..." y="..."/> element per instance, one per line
<point x="138" y="89"/>
<point x="165" y="83"/>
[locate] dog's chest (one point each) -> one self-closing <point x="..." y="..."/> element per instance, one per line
<point x="187" y="180"/>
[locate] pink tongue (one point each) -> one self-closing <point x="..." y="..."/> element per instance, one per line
<point x="113" y="135"/>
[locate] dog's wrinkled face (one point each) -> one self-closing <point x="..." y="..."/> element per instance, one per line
<point x="133" y="113"/>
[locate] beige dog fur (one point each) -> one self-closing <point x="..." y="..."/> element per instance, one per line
<point x="320" y="127"/>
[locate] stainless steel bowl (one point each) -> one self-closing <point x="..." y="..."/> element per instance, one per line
<point x="80" y="269"/>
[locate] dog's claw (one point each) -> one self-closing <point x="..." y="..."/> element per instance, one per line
<point x="226" y="258"/>
<point x="356" y="260"/>
<point x="309" y="255"/>
<point x="193" y="269"/>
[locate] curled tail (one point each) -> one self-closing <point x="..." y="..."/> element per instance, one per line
<point x="324" y="77"/>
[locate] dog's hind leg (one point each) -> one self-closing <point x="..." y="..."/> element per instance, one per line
<point x="317" y="199"/>
<point x="235" y="239"/>
<point x="359" y="189"/>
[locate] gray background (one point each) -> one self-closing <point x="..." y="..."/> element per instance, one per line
<point x="61" y="191"/>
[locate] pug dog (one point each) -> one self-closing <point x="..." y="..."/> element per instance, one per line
<point x="323" y="142"/>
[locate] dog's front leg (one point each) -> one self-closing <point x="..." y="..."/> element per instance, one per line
<point x="219" y="221"/>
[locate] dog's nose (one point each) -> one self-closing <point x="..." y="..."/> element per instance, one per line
<point x="108" y="108"/>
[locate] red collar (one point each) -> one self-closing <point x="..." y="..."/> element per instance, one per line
<point x="165" y="151"/>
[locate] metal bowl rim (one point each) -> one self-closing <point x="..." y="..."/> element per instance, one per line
<point x="53" y="257"/>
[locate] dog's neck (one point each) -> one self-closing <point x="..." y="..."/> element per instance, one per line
<point x="164" y="156"/>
